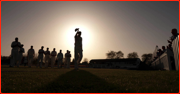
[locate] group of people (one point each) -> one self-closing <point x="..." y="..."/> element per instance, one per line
<point x="18" y="50"/>
<point x="174" y="35"/>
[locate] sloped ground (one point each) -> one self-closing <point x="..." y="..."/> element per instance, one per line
<point x="34" y="79"/>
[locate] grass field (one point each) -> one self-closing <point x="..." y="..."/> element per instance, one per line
<point x="34" y="79"/>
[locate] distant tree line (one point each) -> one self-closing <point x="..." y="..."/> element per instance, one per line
<point x="146" y="58"/>
<point x="120" y="54"/>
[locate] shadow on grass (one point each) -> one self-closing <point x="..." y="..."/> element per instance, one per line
<point x="79" y="81"/>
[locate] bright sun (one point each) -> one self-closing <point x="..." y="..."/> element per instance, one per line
<point x="85" y="34"/>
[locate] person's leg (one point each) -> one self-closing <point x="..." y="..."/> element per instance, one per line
<point x="28" y="61"/>
<point x="19" y="60"/>
<point x="80" y="56"/>
<point x="58" y="63"/>
<point x="52" y="62"/>
<point x="31" y="59"/>
<point x="41" y="62"/>
<point x="61" y="63"/>
<point x="48" y="62"/>
<point x="68" y="63"/>
<point x="76" y="58"/>
<point x="79" y="51"/>
<point x="38" y="62"/>
<point x="45" y="62"/>
<point x="16" y="58"/>
<point x="12" y="58"/>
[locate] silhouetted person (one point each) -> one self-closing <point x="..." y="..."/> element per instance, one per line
<point x="53" y="57"/>
<point x="169" y="47"/>
<point x="15" y="52"/>
<point x="160" y="52"/>
<point x="47" y="55"/>
<point x="174" y="35"/>
<point x="78" y="49"/>
<point x="21" y="51"/>
<point x="31" y="54"/>
<point x="68" y="59"/>
<point x="163" y="49"/>
<point x="60" y="58"/>
<point x="40" y="57"/>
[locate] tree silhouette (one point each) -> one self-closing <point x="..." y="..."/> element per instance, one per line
<point x="114" y="55"/>
<point x="132" y="55"/>
<point x="119" y="55"/>
<point x="148" y="57"/>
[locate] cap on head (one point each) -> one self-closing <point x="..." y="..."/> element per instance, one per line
<point x="77" y="29"/>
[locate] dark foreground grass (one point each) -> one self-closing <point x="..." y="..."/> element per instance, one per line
<point x="87" y="80"/>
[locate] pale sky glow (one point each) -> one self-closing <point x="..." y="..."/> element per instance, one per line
<point x="126" y="26"/>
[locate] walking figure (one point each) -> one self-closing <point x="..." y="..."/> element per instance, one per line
<point x="40" y="57"/>
<point x="78" y="48"/>
<point x="47" y="55"/>
<point x="53" y="57"/>
<point x="60" y="58"/>
<point x="68" y="59"/>
<point x="30" y="56"/>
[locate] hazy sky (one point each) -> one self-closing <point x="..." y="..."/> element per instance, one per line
<point x="126" y="26"/>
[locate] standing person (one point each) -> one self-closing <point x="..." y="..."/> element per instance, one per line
<point x="78" y="48"/>
<point x="53" y="57"/>
<point x="21" y="51"/>
<point x="68" y="59"/>
<point x="65" y="63"/>
<point x="47" y="54"/>
<point x="40" y="57"/>
<point x="31" y="54"/>
<point x="14" y="52"/>
<point x="60" y="58"/>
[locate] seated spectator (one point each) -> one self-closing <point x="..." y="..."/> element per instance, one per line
<point x="163" y="49"/>
<point x="174" y="34"/>
<point x="169" y="47"/>
<point x="160" y="52"/>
